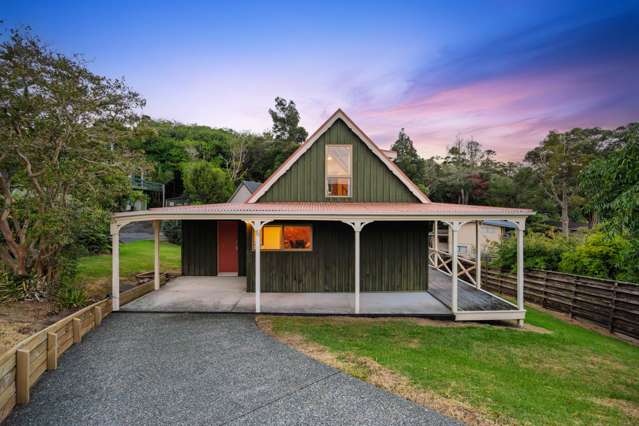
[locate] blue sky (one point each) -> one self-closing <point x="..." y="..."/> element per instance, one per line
<point x="503" y="72"/>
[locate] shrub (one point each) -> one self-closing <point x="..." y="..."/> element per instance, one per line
<point x="71" y="296"/>
<point x="68" y="294"/>
<point x="629" y="255"/>
<point x="92" y="235"/>
<point x="541" y="251"/>
<point x="599" y="255"/>
<point x="172" y="230"/>
<point x="205" y="182"/>
<point x="14" y="288"/>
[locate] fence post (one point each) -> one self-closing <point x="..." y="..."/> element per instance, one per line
<point x="97" y="315"/>
<point x="572" y="297"/>
<point x="22" y="376"/>
<point x="77" y="322"/>
<point x="52" y="351"/>
<point x="611" y="326"/>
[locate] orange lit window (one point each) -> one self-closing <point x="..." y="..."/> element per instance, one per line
<point x="339" y="164"/>
<point x="338" y="187"/>
<point x="271" y="238"/>
<point x="286" y="238"/>
<point x="298" y="237"/>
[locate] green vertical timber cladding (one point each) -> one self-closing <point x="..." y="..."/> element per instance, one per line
<point x="393" y="258"/>
<point x="199" y="247"/>
<point x="372" y="181"/>
<point x="328" y="268"/>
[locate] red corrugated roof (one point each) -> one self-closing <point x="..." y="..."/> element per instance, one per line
<point x="317" y="208"/>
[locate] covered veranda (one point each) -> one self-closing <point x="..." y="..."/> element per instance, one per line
<point x="449" y="295"/>
<point x="219" y="294"/>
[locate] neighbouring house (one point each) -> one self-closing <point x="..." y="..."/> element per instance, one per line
<point x="339" y="218"/>
<point x="243" y="192"/>
<point x="155" y="193"/>
<point x="490" y="233"/>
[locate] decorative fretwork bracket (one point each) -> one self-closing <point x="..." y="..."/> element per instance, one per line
<point x="456" y="225"/>
<point x="357" y="225"/>
<point x="257" y="224"/>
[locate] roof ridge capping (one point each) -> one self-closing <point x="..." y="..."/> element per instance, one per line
<point x="339" y="114"/>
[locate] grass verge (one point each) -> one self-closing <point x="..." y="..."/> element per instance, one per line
<point x="94" y="272"/>
<point x="482" y="374"/>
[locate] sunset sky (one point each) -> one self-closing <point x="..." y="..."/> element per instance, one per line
<point x="503" y="72"/>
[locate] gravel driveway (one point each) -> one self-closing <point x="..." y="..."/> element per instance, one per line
<point x="202" y="369"/>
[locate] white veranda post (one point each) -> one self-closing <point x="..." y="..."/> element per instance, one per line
<point x="454" y="230"/>
<point x="436" y="244"/>
<point x="521" y="226"/>
<point x="115" y="267"/>
<point x="257" y="227"/>
<point x="156" y="264"/>
<point x="357" y="226"/>
<point x="477" y="254"/>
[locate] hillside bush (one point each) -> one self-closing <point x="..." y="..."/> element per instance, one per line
<point x="595" y="253"/>
<point x="541" y="251"/>
<point x="172" y="230"/>
<point x="600" y="255"/>
<point x="205" y="182"/>
<point x="92" y="235"/>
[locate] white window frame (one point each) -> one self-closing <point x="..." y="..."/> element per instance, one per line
<point x="326" y="176"/>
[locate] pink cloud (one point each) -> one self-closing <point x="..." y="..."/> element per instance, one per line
<point x="510" y="115"/>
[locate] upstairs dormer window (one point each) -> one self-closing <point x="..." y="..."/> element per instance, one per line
<point x="339" y="166"/>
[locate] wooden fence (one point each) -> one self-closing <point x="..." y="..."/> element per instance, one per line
<point x="611" y="304"/>
<point x="22" y="366"/>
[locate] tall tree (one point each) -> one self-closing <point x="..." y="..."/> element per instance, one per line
<point x="235" y="163"/>
<point x="286" y="122"/>
<point x="408" y="159"/>
<point x="462" y="170"/>
<point x="558" y="161"/>
<point x="63" y="131"/>
<point x="610" y="183"/>
<point x="205" y="182"/>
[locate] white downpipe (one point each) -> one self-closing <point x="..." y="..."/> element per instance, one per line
<point x="115" y="269"/>
<point x="258" y="274"/>
<point x="357" y="279"/>
<point x="454" y="231"/>
<point x="156" y="264"/>
<point x="477" y="255"/>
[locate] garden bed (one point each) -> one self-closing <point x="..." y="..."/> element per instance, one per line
<point x="19" y="320"/>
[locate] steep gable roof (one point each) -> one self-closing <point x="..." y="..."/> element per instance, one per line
<point x="339" y="114"/>
<point x="250" y="186"/>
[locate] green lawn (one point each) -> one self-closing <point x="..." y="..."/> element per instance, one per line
<point x="571" y="376"/>
<point x="135" y="257"/>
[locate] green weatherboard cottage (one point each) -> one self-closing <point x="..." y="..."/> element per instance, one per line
<point x="338" y="216"/>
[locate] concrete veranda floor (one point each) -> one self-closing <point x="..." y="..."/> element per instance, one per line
<point x="156" y="369"/>
<point x="228" y="294"/>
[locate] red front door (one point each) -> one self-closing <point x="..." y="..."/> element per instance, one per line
<point x="227" y="247"/>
